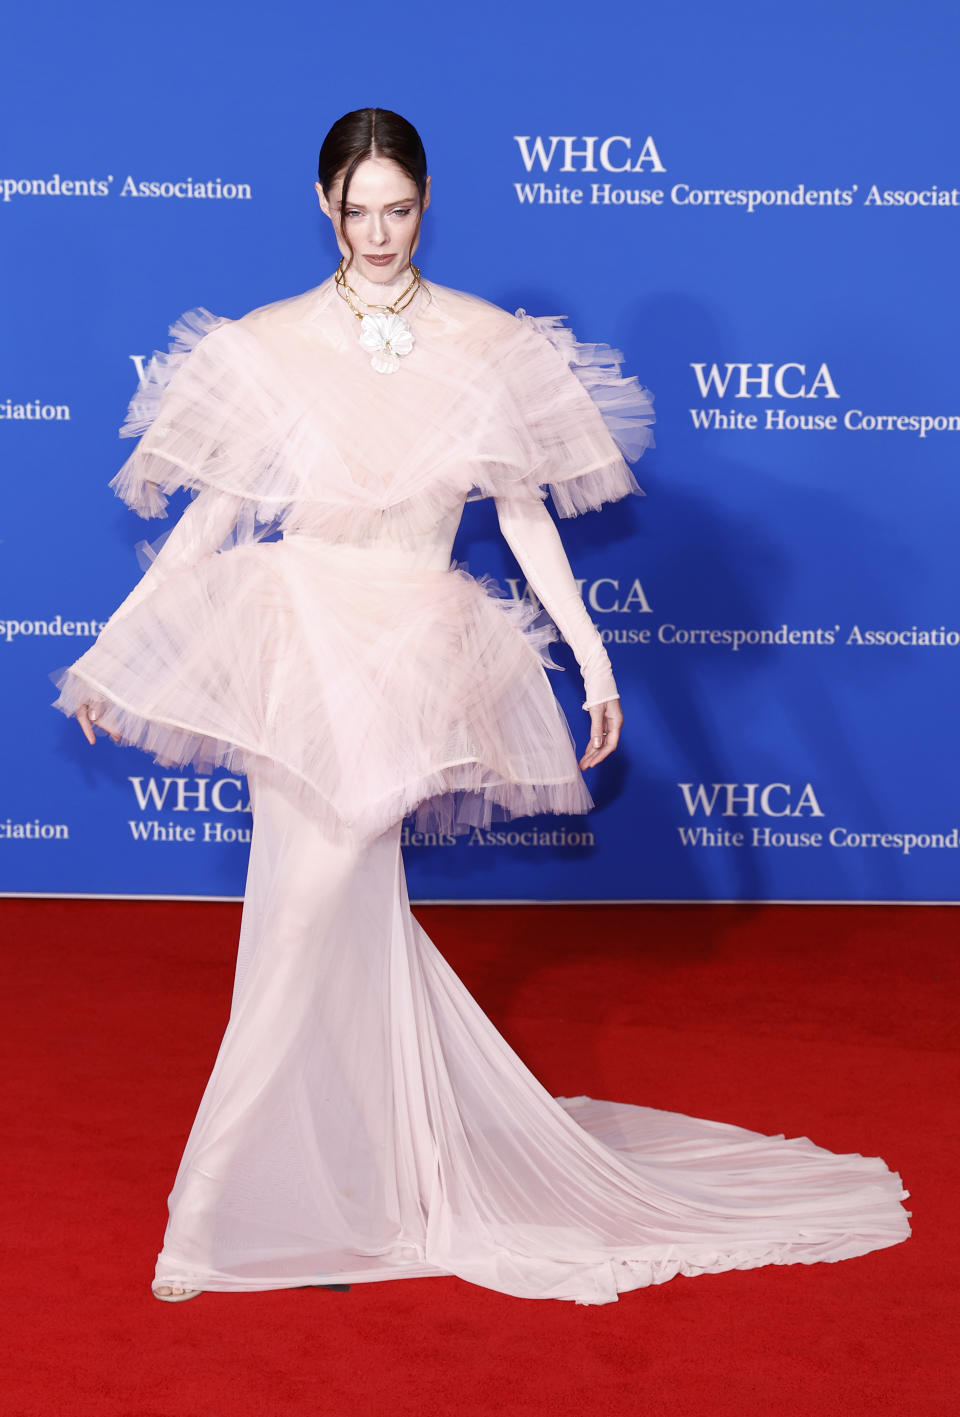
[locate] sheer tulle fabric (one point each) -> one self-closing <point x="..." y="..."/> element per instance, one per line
<point x="374" y="687"/>
<point x="351" y="656"/>
<point x="365" y="1121"/>
<point x="277" y="410"/>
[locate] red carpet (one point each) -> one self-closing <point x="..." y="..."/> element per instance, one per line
<point x="834" y="1022"/>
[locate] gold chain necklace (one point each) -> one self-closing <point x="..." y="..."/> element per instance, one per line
<point x="384" y="333"/>
<point x="401" y="302"/>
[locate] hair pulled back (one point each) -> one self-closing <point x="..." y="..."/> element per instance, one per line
<point x="365" y="133"/>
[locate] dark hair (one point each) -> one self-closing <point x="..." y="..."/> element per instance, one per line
<point x="370" y="132"/>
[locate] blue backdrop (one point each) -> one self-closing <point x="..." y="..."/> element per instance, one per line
<point x="754" y="202"/>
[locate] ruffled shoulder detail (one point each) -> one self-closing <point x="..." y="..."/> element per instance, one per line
<point x="585" y="419"/>
<point x="280" y="413"/>
<point x="174" y="383"/>
<point x="207" y="413"/>
<point x="185" y="334"/>
<point x="625" y="406"/>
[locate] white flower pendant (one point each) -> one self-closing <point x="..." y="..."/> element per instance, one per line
<point x="387" y="337"/>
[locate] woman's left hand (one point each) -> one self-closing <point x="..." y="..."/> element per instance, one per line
<point x="606" y="721"/>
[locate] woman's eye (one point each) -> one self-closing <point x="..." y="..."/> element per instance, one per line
<point x="397" y="211"/>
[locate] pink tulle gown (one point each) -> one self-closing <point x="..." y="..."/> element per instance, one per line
<point x="364" y="1120"/>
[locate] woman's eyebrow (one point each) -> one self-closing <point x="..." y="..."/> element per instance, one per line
<point x="401" y="202"/>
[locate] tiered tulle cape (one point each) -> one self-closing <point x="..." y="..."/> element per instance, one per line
<point x="348" y="658"/>
<point x="281" y="411"/>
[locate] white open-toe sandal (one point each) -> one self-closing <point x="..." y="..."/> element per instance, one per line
<point x="175" y="1298"/>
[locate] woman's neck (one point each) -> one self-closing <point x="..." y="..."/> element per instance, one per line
<point x="375" y="292"/>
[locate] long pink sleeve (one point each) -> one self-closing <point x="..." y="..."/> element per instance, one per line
<point x="534" y="540"/>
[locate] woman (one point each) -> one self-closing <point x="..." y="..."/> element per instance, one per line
<point x="364" y="1120"/>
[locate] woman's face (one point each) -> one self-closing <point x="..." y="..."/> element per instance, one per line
<point x="380" y="220"/>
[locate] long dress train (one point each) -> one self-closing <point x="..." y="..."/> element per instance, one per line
<point x="365" y="1121"/>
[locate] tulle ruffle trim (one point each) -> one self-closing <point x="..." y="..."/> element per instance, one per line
<point x="482" y="742"/>
<point x="591" y="490"/>
<point x="624" y="404"/>
<point x="185" y="334"/>
<point x="454" y="799"/>
<point x="583" y="417"/>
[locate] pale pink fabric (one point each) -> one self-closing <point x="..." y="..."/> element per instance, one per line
<point x="350" y="656"/>
<point x="364" y="1120"/>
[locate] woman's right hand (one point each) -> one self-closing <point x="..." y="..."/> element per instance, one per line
<point x="87" y="715"/>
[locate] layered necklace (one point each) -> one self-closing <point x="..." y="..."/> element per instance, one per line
<point x="384" y="333"/>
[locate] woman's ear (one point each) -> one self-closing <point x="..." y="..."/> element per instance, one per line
<point x="426" y="195"/>
<point x="322" y="198"/>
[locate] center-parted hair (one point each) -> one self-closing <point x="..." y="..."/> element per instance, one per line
<point x="366" y="133"/>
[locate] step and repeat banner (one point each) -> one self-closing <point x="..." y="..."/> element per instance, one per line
<point x="758" y="205"/>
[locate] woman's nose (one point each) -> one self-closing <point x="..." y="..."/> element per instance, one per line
<point x="378" y="231"/>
